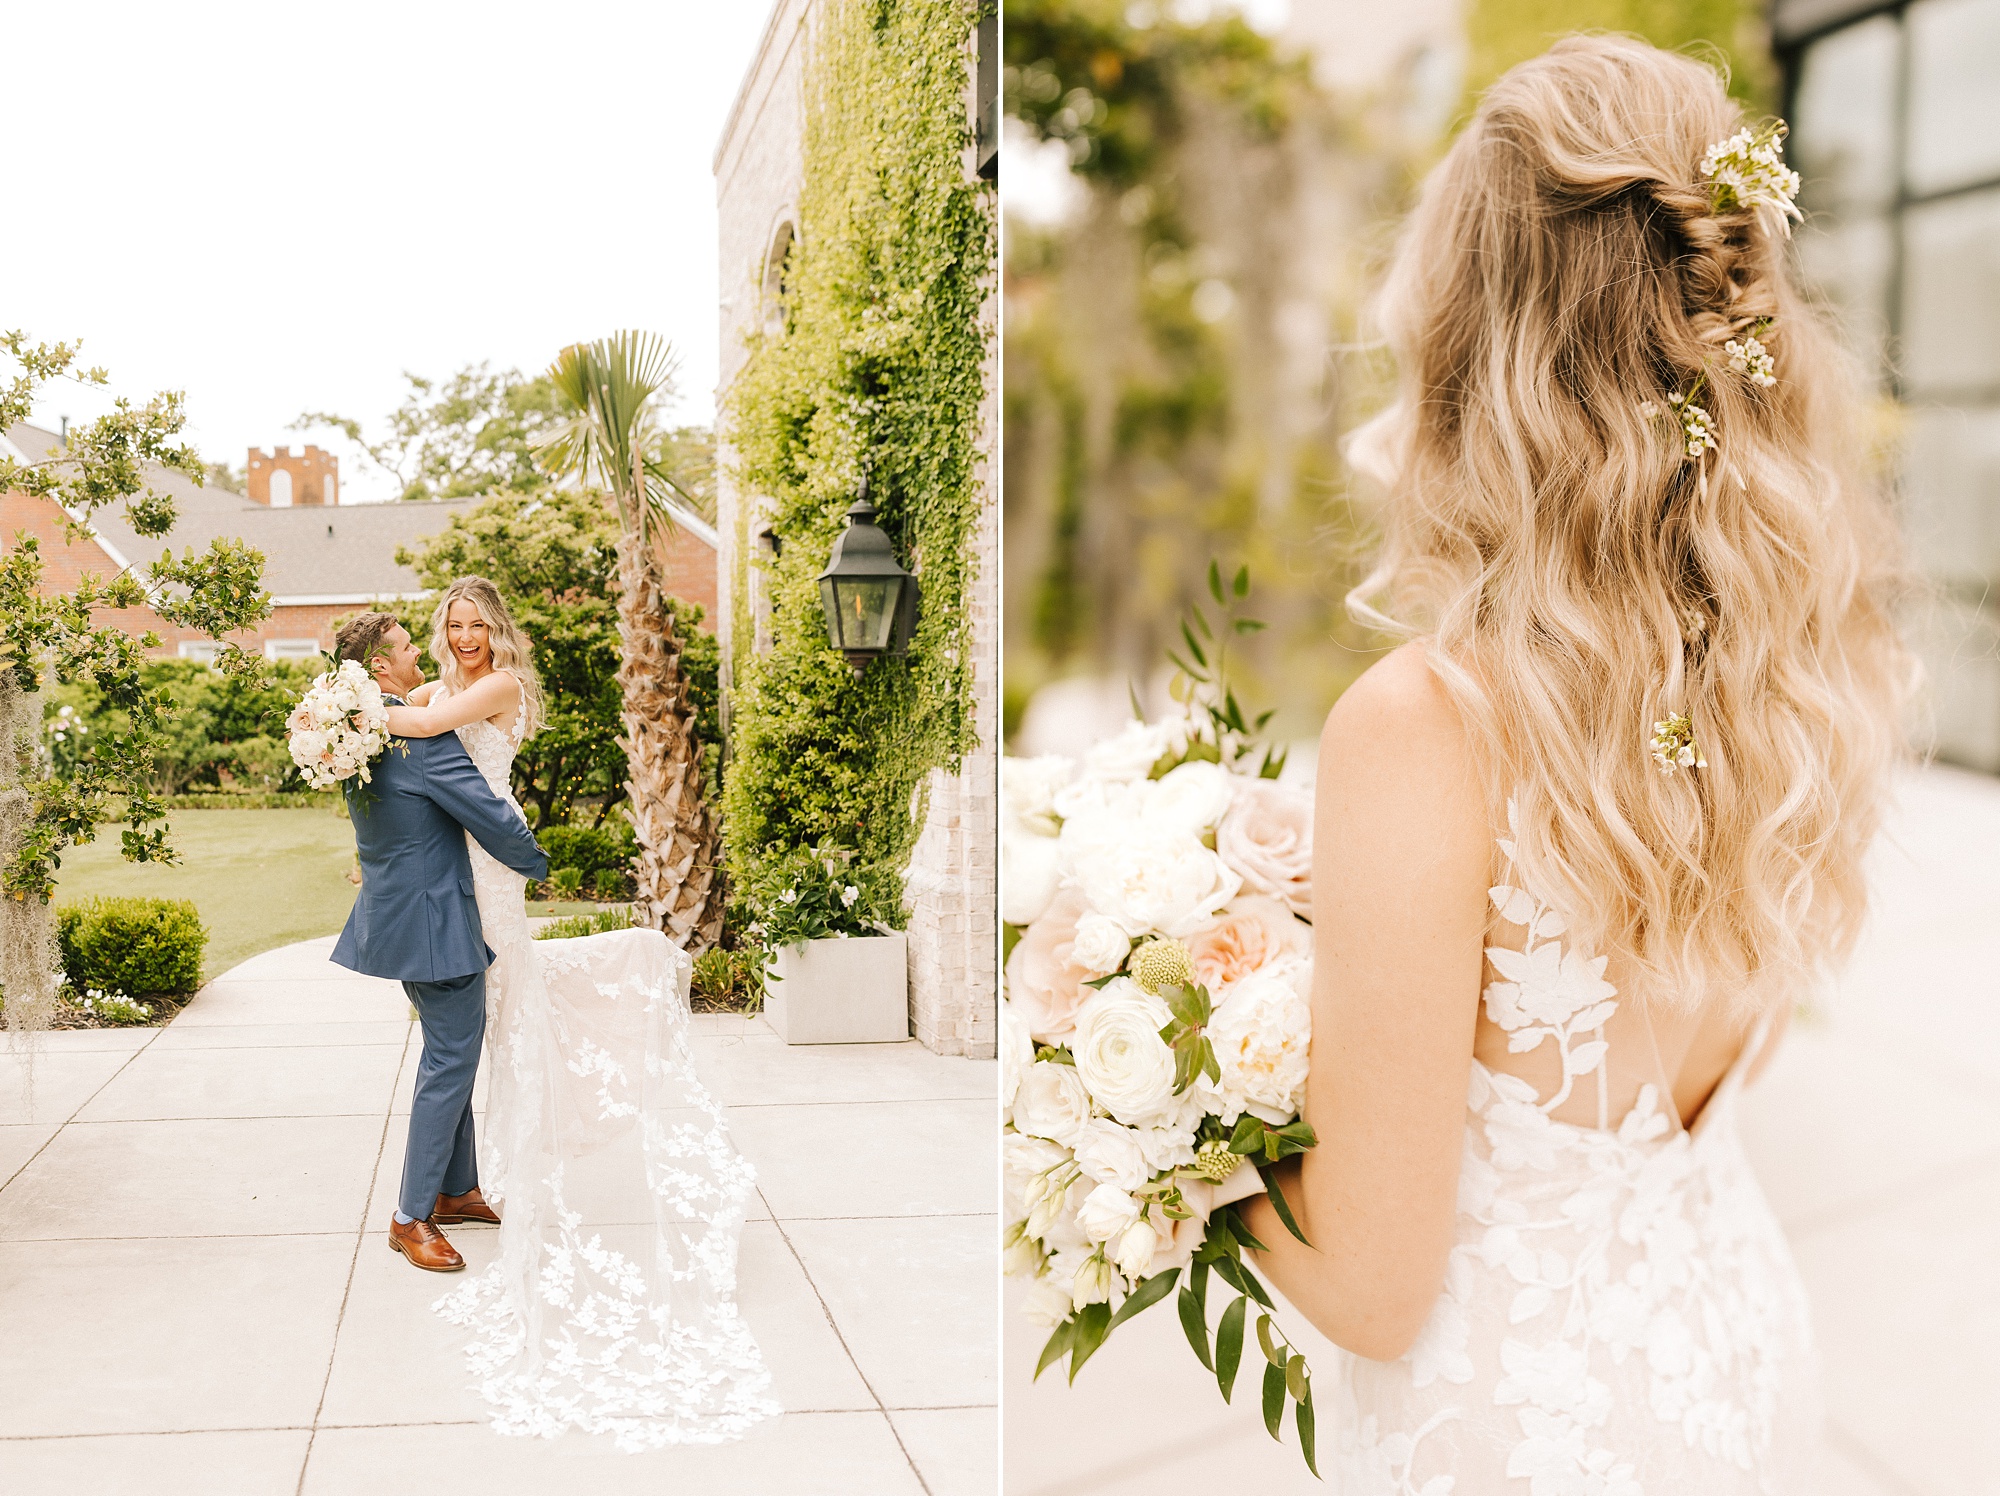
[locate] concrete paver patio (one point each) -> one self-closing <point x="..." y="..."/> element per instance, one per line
<point x="196" y="1295"/>
<point x="1877" y="1136"/>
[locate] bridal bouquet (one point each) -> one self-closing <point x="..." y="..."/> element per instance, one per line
<point x="338" y="727"/>
<point x="1154" y="1031"/>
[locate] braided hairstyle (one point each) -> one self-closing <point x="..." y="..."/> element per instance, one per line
<point x="1567" y="279"/>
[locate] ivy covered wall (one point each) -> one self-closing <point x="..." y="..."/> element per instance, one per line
<point x="877" y="368"/>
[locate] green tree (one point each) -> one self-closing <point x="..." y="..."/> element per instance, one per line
<point x="611" y="391"/>
<point x="41" y="636"/>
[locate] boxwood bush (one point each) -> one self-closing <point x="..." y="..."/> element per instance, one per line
<point x="133" y="947"/>
<point x="601" y="855"/>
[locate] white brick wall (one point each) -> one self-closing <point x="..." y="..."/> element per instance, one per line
<point x="951" y="889"/>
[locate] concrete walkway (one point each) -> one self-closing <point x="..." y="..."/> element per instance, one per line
<point x="1877" y="1136"/>
<point x="196" y="1294"/>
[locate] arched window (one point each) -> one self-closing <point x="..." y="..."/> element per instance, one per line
<point x="331" y="496"/>
<point x="774" y="289"/>
<point x="281" y="488"/>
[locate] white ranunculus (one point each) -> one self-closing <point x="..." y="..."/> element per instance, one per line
<point x="1133" y="752"/>
<point x="1028" y="788"/>
<point x="1261" y="1032"/>
<point x="1051" y="1102"/>
<point x="1150" y="879"/>
<point x="1194" y="796"/>
<point x="1167" y="1141"/>
<point x="1048" y="1301"/>
<point x="1134" y="1252"/>
<point x="1017" y="1053"/>
<point x="1108" y="1153"/>
<point x="1119" y="1054"/>
<point x="1100" y="946"/>
<point x="1030" y="867"/>
<point x="1106" y="1212"/>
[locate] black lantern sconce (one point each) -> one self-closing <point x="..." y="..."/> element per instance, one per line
<point x="870" y="601"/>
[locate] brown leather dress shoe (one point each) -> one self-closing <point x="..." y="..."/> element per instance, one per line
<point x="425" y="1246"/>
<point x="457" y="1210"/>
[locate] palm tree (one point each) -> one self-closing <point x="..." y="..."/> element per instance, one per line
<point x="607" y="391"/>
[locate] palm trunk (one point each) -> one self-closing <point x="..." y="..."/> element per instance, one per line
<point x="679" y="875"/>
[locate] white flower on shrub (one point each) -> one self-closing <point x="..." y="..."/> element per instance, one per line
<point x="1108" y="1153"/>
<point x="1120" y="1057"/>
<point x="1051" y="1102"/>
<point x="1261" y="1031"/>
<point x="1100" y="945"/>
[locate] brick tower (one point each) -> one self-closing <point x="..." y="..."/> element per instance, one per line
<point x="280" y="480"/>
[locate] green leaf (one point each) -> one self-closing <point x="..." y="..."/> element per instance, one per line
<point x="1215" y="580"/>
<point x="1057" y="1347"/>
<point x="1274" y="1399"/>
<point x="1201" y="622"/>
<point x="1194" y="1323"/>
<point x="1149" y="1292"/>
<point x="1250" y="625"/>
<point x="1193" y="644"/>
<point x="1276" y="1195"/>
<point x="1229" y="1345"/>
<point x="1198" y="1281"/>
<point x="1266" y="1344"/>
<point x="1306" y="1440"/>
<point x="1248" y="1137"/>
<point x="1243" y="1234"/>
<point x="1242" y="581"/>
<point x="1295" y="1378"/>
<point x="1093" y="1323"/>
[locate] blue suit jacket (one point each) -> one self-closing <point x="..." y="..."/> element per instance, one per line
<point x="415" y="918"/>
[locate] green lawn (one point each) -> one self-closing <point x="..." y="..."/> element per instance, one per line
<point x="259" y="878"/>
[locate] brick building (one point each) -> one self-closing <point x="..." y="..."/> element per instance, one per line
<point x="951" y="886"/>
<point x="318" y="565"/>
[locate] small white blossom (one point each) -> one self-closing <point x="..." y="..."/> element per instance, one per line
<point x="1697" y="425"/>
<point x="1674" y="746"/>
<point x="848" y="895"/>
<point x="1748" y="171"/>
<point x="1751" y="359"/>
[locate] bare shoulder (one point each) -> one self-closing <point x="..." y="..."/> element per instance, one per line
<point x="1397" y="710"/>
<point x="423" y="694"/>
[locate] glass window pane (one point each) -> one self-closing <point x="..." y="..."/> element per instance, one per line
<point x="1951" y="493"/>
<point x="1843" y="139"/>
<point x="1848" y="262"/>
<point x="1954" y="134"/>
<point x="1951" y="295"/>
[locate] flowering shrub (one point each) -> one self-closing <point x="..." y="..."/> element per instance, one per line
<point x="812" y="894"/>
<point x="109" y="1007"/>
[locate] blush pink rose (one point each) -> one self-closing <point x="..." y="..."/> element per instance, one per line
<point x="1045" y="983"/>
<point x="1252" y="932"/>
<point x="1267" y="837"/>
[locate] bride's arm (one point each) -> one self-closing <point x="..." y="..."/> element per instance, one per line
<point x="488" y="696"/>
<point x="1401" y="857"/>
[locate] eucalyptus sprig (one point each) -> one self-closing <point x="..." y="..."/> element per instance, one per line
<point x="1203" y="682"/>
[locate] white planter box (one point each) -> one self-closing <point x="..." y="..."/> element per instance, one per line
<point x="853" y="991"/>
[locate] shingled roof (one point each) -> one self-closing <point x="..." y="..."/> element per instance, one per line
<point x="338" y="553"/>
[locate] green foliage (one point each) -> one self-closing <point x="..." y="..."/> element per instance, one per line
<point x="810" y="893"/>
<point x="132" y="947"/>
<point x="215" y="592"/>
<point x="553" y="555"/>
<point x="1731" y="32"/>
<point x="577" y="926"/>
<point x="878" y="372"/>
<point x="565" y="882"/>
<point x="729" y="980"/>
<point x="592" y="852"/>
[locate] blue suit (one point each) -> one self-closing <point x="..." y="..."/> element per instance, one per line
<point x="416" y="920"/>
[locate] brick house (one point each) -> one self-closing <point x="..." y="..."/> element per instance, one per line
<point x="951" y="887"/>
<point x="322" y="559"/>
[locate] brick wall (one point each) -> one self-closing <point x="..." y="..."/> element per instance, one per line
<point x="314" y="474"/>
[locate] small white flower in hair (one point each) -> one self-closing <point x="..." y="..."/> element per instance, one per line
<point x="1748" y="171"/>
<point x="1697" y="425"/>
<point x="1751" y="358"/>
<point x="1674" y="745"/>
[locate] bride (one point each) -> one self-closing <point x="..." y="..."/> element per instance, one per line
<point x="1587" y="838"/>
<point x="611" y="1307"/>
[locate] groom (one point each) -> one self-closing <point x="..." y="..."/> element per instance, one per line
<point x="415" y="919"/>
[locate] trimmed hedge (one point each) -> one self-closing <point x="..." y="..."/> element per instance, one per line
<point x="134" y="947"/>
<point x="601" y="855"/>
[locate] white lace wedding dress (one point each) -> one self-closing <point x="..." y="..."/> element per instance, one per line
<point x="1620" y="1314"/>
<point x="611" y="1307"/>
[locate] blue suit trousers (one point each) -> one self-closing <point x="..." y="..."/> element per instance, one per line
<point x="440" y="1159"/>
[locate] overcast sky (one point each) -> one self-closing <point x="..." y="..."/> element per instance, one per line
<point x="279" y="208"/>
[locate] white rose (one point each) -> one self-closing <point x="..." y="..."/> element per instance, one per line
<point x="308" y="746"/>
<point x="1051" y="1102"/>
<point x="1267" y="837"/>
<point x="1119" y="1054"/>
<point x="1261" y="1033"/>
<point x="1150" y="879"/>
<point x="1017" y="1053"/>
<point x="1134" y="1252"/>
<point x="1028" y="788"/>
<point x="1100" y="945"/>
<point x="1109" y="1153"/>
<point x="1048" y="1301"/>
<point x="1092" y="1282"/>
<point x="1194" y="796"/>
<point x="1132" y="753"/>
<point x="1029" y="869"/>
<point x="1106" y="1212"/>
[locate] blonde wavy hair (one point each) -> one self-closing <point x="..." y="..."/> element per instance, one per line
<point x="511" y="650"/>
<point x="1578" y="578"/>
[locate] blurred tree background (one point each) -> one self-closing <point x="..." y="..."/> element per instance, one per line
<point x="1197" y="209"/>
